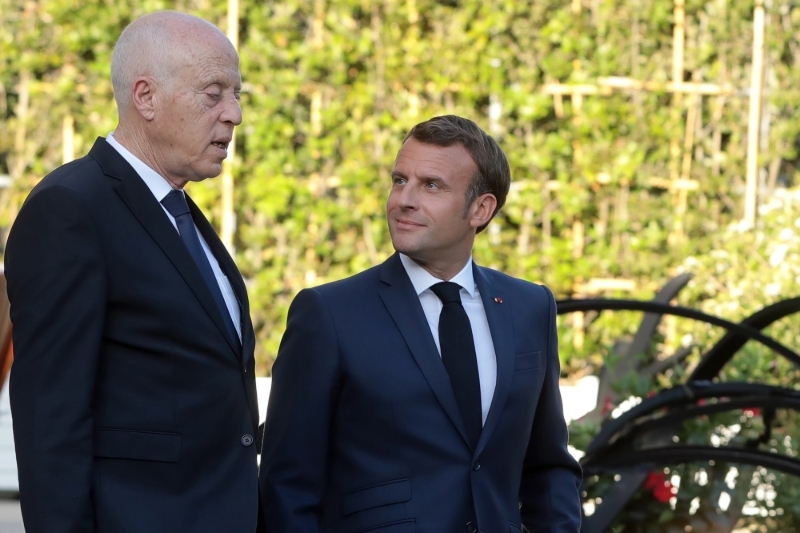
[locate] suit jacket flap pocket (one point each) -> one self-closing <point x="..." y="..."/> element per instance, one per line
<point x="398" y="491"/>
<point x="523" y="361"/>
<point x="140" y="445"/>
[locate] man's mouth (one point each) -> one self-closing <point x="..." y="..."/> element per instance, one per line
<point x="403" y="222"/>
<point x="222" y="145"/>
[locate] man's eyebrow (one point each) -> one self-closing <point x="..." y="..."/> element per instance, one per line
<point x="398" y="174"/>
<point x="433" y="177"/>
<point x="223" y="83"/>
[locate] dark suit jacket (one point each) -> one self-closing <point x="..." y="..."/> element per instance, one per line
<point x="363" y="432"/>
<point x="131" y="404"/>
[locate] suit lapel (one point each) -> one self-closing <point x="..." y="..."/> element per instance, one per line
<point x="499" y="318"/>
<point x="230" y="270"/>
<point x="403" y="304"/>
<point x="228" y="266"/>
<point x="148" y="211"/>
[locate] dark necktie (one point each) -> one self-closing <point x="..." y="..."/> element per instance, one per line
<point x="458" y="355"/>
<point x="176" y="204"/>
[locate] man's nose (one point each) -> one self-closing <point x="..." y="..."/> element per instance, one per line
<point x="408" y="197"/>
<point x="232" y="112"/>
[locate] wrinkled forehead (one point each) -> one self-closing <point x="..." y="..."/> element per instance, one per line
<point x="211" y="60"/>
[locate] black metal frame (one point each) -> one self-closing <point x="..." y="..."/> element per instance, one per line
<point x="618" y="447"/>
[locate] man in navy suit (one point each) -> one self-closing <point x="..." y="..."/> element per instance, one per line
<point x="132" y="390"/>
<point x="422" y="394"/>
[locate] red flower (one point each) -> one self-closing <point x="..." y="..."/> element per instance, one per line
<point x="664" y="492"/>
<point x="608" y="405"/>
<point x="661" y="488"/>
<point x="654" y="479"/>
<point x="752" y="411"/>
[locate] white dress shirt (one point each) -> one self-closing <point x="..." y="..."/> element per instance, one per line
<point x="422" y="281"/>
<point x="160" y="187"/>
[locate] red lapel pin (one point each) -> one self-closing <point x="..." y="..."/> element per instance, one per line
<point x="498" y="299"/>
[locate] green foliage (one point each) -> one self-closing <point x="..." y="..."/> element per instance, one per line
<point x="332" y="86"/>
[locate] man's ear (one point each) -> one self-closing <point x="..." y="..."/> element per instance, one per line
<point x="144" y="90"/>
<point x="483" y="210"/>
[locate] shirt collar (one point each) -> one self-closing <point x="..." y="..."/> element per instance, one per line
<point x="157" y="184"/>
<point x="422" y="280"/>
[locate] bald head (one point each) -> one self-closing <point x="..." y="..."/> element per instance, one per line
<point x="158" y="45"/>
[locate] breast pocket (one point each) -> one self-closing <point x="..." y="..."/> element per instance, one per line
<point x="528" y="360"/>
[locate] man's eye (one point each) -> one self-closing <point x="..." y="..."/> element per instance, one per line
<point x="213" y="96"/>
<point x="398" y="181"/>
<point x="237" y="95"/>
<point x="432" y="185"/>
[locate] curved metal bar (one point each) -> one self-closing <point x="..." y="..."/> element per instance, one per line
<point x="722" y="352"/>
<point x="641" y="429"/>
<point x="677" y="395"/>
<point x="603" y="304"/>
<point x="612" y="449"/>
<point x="678" y="454"/>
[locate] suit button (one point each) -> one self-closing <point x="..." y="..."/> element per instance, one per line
<point x="476" y="466"/>
<point x="247" y="440"/>
<point x="471" y="528"/>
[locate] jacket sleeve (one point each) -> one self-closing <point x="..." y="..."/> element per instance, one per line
<point x="549" y="490"/>
<point x="57" y="288"/>
<point x="303" y="397"/>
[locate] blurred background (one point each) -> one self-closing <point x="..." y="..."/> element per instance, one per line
<point x="642" y="141"/>
<point x="647" y="139"/>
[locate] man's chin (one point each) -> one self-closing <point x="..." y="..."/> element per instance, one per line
<point x="403" y="248"/>
<point x="212" y="172"/>
<point x="412" y="252"/>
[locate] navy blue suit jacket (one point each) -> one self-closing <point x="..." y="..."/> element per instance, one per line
<point x="130" y="400"/>
<point x="363" y="432"/>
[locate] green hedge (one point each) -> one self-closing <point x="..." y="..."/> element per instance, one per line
<point x="332" y="86"/>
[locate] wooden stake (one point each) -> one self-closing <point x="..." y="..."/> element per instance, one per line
<point x="756" y="84"/>
<point x="678" y="42"/>
<point x="316" y="112"/>
<point x="524" y="236"/>
<point x="369" y="240"/>
<point x="546" y="221"/>
<point x="577" y="105"/>
<point x="67" y="139"/>
<point x="318" y="24"/>
<point x="578" y="238"/>
<point x="716" y="154"/>
<point x="681" y="201"/>
<point x="678" y="37"/>
<point x="558" y="105"/>
<point x="578" y="329"/>
<point x="228" y="222"/>
<point x="413" y="14"/>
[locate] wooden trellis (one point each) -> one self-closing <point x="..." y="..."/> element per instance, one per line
<point x="680" y="182"/>
<point x="686" y="94"/>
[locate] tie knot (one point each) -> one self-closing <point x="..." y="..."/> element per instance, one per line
<point x="175" y="202"/>
<point x="447" y="291"/>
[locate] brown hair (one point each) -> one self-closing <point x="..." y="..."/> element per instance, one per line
<point x="494" y="174"/>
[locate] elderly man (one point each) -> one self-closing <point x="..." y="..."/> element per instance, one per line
<point x="421" y="396"/>
<point x="132" y="391"/>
